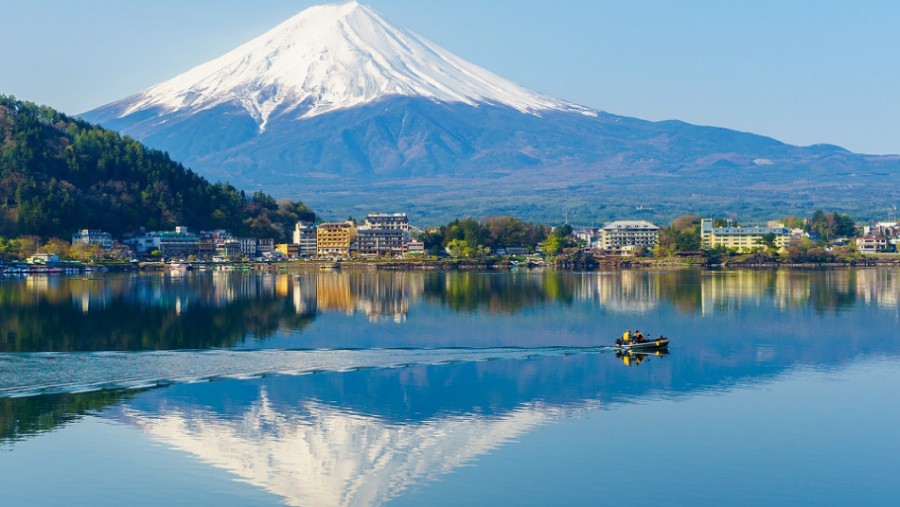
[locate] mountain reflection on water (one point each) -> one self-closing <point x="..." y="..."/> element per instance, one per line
<point x="351" y="436"/>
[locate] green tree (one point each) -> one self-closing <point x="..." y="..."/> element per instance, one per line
<point x="831" y="225"/>
<point x="682" y="235"/>
<point x="58" y="247"/>
<point x="552" y="245"/>
<point x="768" y="240"/>
<point x="459" y="248"/>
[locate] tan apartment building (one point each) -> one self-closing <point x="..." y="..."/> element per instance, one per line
<point x="333" y="239"/>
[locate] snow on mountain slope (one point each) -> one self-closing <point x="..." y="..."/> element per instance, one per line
<point x="335" y="57"/>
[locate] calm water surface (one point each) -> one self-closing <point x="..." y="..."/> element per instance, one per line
<point x="358" y="388"/>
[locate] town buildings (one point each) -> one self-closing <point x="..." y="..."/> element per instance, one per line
<point x="288" y="250"/>
<point x="182" y="243"/>
<point x="389" y="235"/>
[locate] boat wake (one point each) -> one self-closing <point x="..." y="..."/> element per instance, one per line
<point x="35" y="374"/>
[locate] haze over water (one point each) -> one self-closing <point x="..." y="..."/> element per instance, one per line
<point x="365" y="388"/>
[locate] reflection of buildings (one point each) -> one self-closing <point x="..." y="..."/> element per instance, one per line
<point x="879" y="286"/>
<point x="623" y="291"/>
<point x="729" y="291"/>
<point x="333" y="458"/>
<point x="378" y="295"/>
<point x="386" y="296"/>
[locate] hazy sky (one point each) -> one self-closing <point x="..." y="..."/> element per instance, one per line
<point x="804" y="72"/>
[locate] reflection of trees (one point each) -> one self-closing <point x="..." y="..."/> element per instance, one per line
<point x="142" y="313"/>
<point x="499" y="293"/>
<point x="833" y="290"/>
<point x="25" y="417"/>
<point x="683" y="288"/>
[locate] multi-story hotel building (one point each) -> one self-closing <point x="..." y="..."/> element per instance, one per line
<point x="741" y="239"/>
<point x="334" y="239"/>
<point x="627" y="235"/>
<point x="390" y="221"/>
<point x="380" y="242"/>
<point x="382" y="235"/>
<point x="305" y="239"/>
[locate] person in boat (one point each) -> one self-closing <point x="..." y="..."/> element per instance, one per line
<point x="626" y="338"/>
<point x="639" y="337"/>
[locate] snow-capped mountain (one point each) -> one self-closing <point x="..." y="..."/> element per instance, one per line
<point x="351" y="114"/>
<point x="334" y="57"/>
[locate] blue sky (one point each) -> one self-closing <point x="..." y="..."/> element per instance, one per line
<point x="804" y="72"/>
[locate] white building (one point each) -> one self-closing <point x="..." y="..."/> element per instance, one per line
<point x="389" y="221"/>
<point x="248" y="246"/>
<point x="305" y="239"/>
<point x="91" y="237"/>
<point x="177" y="243"/>
<point x="383" y="235"/>
<point x="265" y="246"/>
<point x="873" y="244"/>
<point x="625" y="236"/>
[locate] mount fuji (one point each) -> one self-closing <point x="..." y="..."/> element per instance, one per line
<point x="352" y="114"/>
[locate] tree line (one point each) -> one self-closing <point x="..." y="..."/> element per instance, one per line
<point x="477" y="238"/>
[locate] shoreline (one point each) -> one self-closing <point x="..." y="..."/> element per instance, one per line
<point x="462" y="265"/>
<point x="500" y="265"/>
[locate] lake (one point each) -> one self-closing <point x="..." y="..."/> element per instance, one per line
<point x="419" y="388"/>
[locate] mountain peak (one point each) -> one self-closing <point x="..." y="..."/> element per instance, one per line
<point x="333" y="57"/>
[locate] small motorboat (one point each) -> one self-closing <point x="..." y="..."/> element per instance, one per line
<point x="652" y="344"/>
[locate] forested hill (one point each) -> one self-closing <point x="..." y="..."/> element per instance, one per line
<point x="59" y="174"/>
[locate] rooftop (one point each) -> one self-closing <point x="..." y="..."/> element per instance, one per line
<point x="630" y="224"/>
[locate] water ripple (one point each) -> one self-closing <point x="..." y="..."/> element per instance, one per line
<point x="34" y="374"/>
